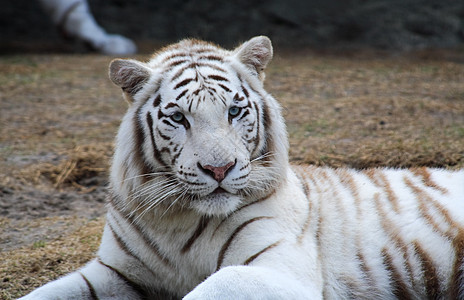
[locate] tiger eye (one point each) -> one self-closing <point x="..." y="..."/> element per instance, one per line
<point x="234" y="111"/>
<point x="178" y="117"/>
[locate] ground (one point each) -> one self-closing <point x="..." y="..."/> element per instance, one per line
<point x="59" y="115"/>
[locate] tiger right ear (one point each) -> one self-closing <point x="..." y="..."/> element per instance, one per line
<point x="256" y="54"/>
<point x="128" y="74"/>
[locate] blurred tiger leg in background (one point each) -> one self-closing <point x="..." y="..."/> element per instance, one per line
<point x="74" y="19"/>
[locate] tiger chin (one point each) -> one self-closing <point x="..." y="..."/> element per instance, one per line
<point x="203" y="203"/>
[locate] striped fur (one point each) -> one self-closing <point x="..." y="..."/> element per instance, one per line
<point x="204" y="203"/>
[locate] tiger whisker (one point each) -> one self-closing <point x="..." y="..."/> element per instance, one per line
<point x="181" y="196"/>
<point x="155" y="192"/>
<point x="158" y="188"/>
<point x="161" y="173"/>
<point x="155" y="203"/>
<point x="152" y="185"/>
<point x="265" y="155"/>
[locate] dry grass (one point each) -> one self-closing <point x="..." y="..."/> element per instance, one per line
<point x="75" y="169"/>
<point x="357" y="111"/>
<point x="362" y="113"/>
<point x="24" y="269"/>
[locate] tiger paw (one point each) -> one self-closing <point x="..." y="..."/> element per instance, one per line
<point x="245" y="282"/>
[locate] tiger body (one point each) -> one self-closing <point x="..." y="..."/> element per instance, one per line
<point x="204" y="204"/>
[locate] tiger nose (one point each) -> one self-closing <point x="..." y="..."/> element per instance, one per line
<point x="218" y="173"/>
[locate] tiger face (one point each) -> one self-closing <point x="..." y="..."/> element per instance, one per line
<point x="201" y="123"/>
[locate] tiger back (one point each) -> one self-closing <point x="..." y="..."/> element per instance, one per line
<point x="204" y="204"/>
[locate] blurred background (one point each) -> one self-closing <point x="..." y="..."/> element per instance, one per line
<point x="383" y="24"/>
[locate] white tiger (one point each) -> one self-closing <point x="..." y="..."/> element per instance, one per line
<point x="205" y="205"/>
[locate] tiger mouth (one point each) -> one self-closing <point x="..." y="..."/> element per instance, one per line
<point x="219" y="190"/>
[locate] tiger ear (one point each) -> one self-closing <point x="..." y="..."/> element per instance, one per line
<point x="128" y="74"/>
<point x="256" y="53"/>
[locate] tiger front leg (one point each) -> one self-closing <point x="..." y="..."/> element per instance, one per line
<point x="253" y="282"/>
<point x="94" y="281"/>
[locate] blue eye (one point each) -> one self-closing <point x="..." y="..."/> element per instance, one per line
<point x="177" y="117"/>
<point x="234" y="111"/>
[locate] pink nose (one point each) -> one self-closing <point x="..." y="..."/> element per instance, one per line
<point x="218" y="173"/>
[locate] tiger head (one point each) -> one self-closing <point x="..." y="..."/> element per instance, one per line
<point x="201" y="132"/>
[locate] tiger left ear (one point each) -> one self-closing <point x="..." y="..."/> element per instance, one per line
<point x="129" y="75"/>
<point x="256" y="54"/>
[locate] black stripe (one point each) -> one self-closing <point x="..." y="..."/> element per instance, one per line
<point x="183" y="82"/>
<point x="123" y="246"/>
<point x="157" y="101"/>
<point x="268" y="140"/>
<point x="457" y="277"/>
<point x="426" y="179"/>
<point x="180" y="72"/>
<point x="148" y="243"/>
<point x="245" y="91"/>
<point x="238" y="210"/>
<point x="212" y="57"/>
<point x="225" y="247"/>
<point x="142" y="293"/>
<point x="399" y="288"/>
<point x="248" y="105"/>
<point x="174" y="55"/>
<point x="212" y="66"/>
<point x="218" y="78"/>
<point x="391" y="230"/>
<point x="190" y="104"/>
<point x="119" y="241"/>
<point x="176" y="156"/>
<point x="138" y="147"/>
<point x="203" y="50"/>
<point x="238" y="98"/>
<point x="181" y="94"/>
<point x="156" y="153"/>
<point x="169" y="123"/>
<point x="196" y="92"/>
<point x="246" y="113"/>
<point x="431" y="280"/>
<point x="176" y="63"/>
<point x="255" y="256"/>
<point x="161" y="114"/>
<point x="361" y="260"/>
<point x="224" y="87"/>
<point x="171" y="104"/>
<point x="258" y="133"/>
<point x="164" y="137"/>
<point x="303" y="181"/>
<point x="266" y="116"/>
<point x="93" y="294"/>
<point x="196" y="234"/>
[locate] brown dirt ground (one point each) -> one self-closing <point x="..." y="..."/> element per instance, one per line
<point x="59" y="115"/>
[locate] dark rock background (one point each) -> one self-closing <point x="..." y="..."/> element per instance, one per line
<point x="385" y="24"/>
